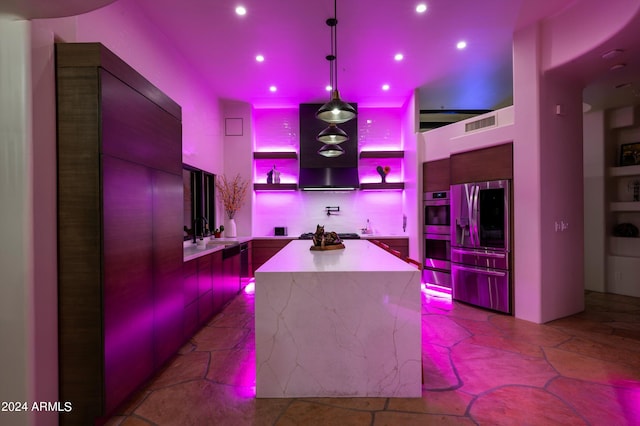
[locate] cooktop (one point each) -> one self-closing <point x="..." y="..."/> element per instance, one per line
<point x="343" y="236"/>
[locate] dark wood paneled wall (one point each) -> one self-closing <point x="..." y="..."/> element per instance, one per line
<point x="493" y="163"/>
<point x="121" y="302"/>
<point x="435" y="175"/>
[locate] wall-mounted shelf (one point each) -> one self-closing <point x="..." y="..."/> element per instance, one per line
<point x="625" y="171"/>
<point x="275" y="186"/>
<point x="273" y="155"/>
<point x="382" y="154"/>
<point x="389" y="185"/>
<point x="625" y="206"/>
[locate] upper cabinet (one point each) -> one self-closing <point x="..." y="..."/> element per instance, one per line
<point x="493" y="163"/>
<point x="435" y="175"/>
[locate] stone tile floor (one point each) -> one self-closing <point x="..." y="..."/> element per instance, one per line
<point x="480" y="368"/>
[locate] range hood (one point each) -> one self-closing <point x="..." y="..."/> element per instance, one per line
<point x="318" y="173"/>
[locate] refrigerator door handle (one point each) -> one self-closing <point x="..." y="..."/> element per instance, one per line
<point x="479" y="271"/>
<point x="469" y="214"/>
<point x="475" y="215"/>
<point x="477" y="253"/>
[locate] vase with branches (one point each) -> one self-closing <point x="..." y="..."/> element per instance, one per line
<point x="232" y="194"/>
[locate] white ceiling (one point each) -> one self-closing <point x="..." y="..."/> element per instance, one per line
<point x="294" y="38"/>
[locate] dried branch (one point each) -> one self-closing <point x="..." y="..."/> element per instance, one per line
<point x="232" y="192"/>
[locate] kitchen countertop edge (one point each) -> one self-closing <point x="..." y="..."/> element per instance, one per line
<point x="191" y="252"/>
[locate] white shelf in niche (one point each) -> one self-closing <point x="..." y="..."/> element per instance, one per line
<point x="625" y="171"/>
<point x="624" y="247"/>
<point x="625" y="206"/>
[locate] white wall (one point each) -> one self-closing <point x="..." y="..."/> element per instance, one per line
<point x="16" y="226"/>
<point x="28" y="308"/>
<point x="413" y="176"/>
<point x="237" y="159"/>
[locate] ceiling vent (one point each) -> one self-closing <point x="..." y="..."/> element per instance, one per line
<point x="434" y="118"/>
<point x="480" y="124"/>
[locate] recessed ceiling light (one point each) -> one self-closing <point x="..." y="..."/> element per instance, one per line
<point x="612" y="53"/>
<point x="273" y="89"/>
<point x="617" y="67"/>
<point x="241" y="10"/>
<point x="385" y="87"/>
<point x="260" y="58"/>
<point x="421" y="8"/>
<point x="328" y="88"/>
<point x="398" y="57"/>
<point x="461" y="44"/>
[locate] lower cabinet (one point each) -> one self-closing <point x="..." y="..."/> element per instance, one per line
<point x="202" y="278"/>
<point x="400" y="244"/>
<point x="263" y="250"/>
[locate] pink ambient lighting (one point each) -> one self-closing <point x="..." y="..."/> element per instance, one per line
<point x="250" y="288"/>
<point x="437" y="297"/>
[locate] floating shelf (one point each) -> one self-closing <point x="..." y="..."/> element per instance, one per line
<point x="625" y="171"/>
<point x="275" y="186"/>
<point x="390" y="185"/>
<point x="382" y="154"/>
<point x="273" y="155"/>
<point x="625" y="206"/>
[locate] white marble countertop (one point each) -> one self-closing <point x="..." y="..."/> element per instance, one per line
<point x="358" y="255"/>
<point x="191" y="251"/>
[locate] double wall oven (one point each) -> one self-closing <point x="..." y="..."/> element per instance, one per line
<point x="437" y="269"/>
<point x="480" y="244"/>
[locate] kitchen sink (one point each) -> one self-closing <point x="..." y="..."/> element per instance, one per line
<point x="223" y="242"/>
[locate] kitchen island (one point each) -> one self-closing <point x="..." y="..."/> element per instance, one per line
<point x="338" y="323"/>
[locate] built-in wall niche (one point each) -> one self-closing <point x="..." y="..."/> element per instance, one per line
<point x="265" y="165"/>
<point x="199" y="201"/>
<point x="370" y="178"/>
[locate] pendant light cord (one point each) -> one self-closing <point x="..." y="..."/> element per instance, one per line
<point x="334" y="40"/>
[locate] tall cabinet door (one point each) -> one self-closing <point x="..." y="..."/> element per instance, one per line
<point x="167" y="261"/>
<point x="128" y="278"/>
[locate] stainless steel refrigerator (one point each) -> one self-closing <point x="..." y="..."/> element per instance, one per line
<point x="480" y="244"/>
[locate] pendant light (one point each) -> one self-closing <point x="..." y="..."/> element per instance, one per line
<point x="335" y="111"/>
<point x="332" y="135"/>
<point x="331" y="151"/>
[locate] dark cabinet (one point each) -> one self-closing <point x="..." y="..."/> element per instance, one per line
<point x="230" y="273"/>
<point x="205" y="289"/>
<point x="435" y="175"/>
<point x="263" y="250"/>
<point x="121" y="294"/>
<point x="486" y="164"/>
<point x="190" y="295"/>
<point x="399" y="244"/>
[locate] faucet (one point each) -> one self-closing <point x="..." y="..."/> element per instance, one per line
<point x="197" y="220"/>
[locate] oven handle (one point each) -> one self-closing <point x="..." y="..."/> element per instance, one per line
<point x="477" y="253"/>
<point x="434" y="203"/>
<point x="478" y="271"/>
<point x="441" y="237"/>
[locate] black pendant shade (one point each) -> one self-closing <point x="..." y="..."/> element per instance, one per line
<point x="336" y="111"/>
<point x="332" y="135"/>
